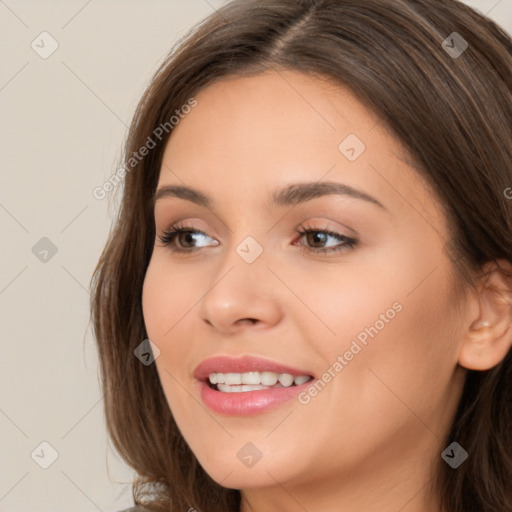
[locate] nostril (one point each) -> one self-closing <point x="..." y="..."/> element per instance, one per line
<point x="251" y="320"/>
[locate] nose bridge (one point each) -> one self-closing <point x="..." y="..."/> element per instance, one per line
<point x="245" y="255"/>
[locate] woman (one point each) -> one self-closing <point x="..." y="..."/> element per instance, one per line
<point x="316" y="236"/>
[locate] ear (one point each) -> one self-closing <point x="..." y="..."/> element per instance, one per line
<point x="489" y="337"/>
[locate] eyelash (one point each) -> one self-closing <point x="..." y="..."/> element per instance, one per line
<point x="169" y="236"/>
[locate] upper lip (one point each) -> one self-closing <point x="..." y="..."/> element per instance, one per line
<point x="242" y="364"/>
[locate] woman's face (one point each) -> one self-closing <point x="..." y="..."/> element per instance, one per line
<point x="368" y="312"/>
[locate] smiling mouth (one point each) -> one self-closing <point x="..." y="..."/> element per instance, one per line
<point x="254" y="381"/>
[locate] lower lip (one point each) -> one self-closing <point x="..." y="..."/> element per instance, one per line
<point x="247" y="403"/>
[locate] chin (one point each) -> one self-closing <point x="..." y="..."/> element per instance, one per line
<point x="243" y="478"/>
<point x="236" y="470"/>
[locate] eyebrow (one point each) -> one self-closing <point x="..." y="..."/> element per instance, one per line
<point x="288" y="196"/>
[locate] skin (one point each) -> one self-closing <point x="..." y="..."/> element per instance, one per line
<point x="369" y="440"/>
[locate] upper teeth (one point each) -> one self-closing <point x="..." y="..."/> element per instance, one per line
<point x="264" y="378"/>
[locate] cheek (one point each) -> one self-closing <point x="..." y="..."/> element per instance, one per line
<point x="166" y="300"/>
<point x="394" y="321"/>
<point x="168" y="295"/>
<point x="169" y="300"/>
<point x="397" y="328"/>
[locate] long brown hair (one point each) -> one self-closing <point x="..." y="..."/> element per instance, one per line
<point x="452" y="112"/>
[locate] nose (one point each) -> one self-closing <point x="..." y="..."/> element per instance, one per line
<point x="241" y="295"/>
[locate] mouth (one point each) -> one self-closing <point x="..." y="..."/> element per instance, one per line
<point x="254" y="381"/>
<point x="248" y="385"/>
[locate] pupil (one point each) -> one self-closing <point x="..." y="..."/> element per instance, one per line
<point x="316" y="236"/>
<point x="188" y="237"/>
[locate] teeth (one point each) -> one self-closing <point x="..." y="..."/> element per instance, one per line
<point x="252" y="381"/>
<point x="251" y="378"/>
<point x="239" y="389"/>
<point x="285" y="379"/>
<point x="301" y="379"/>
<point x="232" y="378"/>
<point x="268" y="378"/>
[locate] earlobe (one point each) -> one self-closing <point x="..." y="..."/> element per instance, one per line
<point x="489" y="336"/>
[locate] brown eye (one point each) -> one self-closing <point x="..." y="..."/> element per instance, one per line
<point x="317" y="239"/>
<point x="186" y="238"/>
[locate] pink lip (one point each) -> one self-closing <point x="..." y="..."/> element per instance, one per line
<point x="249" y="402"/>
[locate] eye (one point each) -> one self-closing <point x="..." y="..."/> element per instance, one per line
<point x="181" y="238"/>
<point x="185" y="237"/>
<point x="318" y="238"/>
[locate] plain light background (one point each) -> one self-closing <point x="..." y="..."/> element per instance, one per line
<point x="63" y="121"/>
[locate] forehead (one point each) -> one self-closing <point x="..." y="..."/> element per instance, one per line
<point x="278" y="109"/>
<point x="272" y="120"/>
